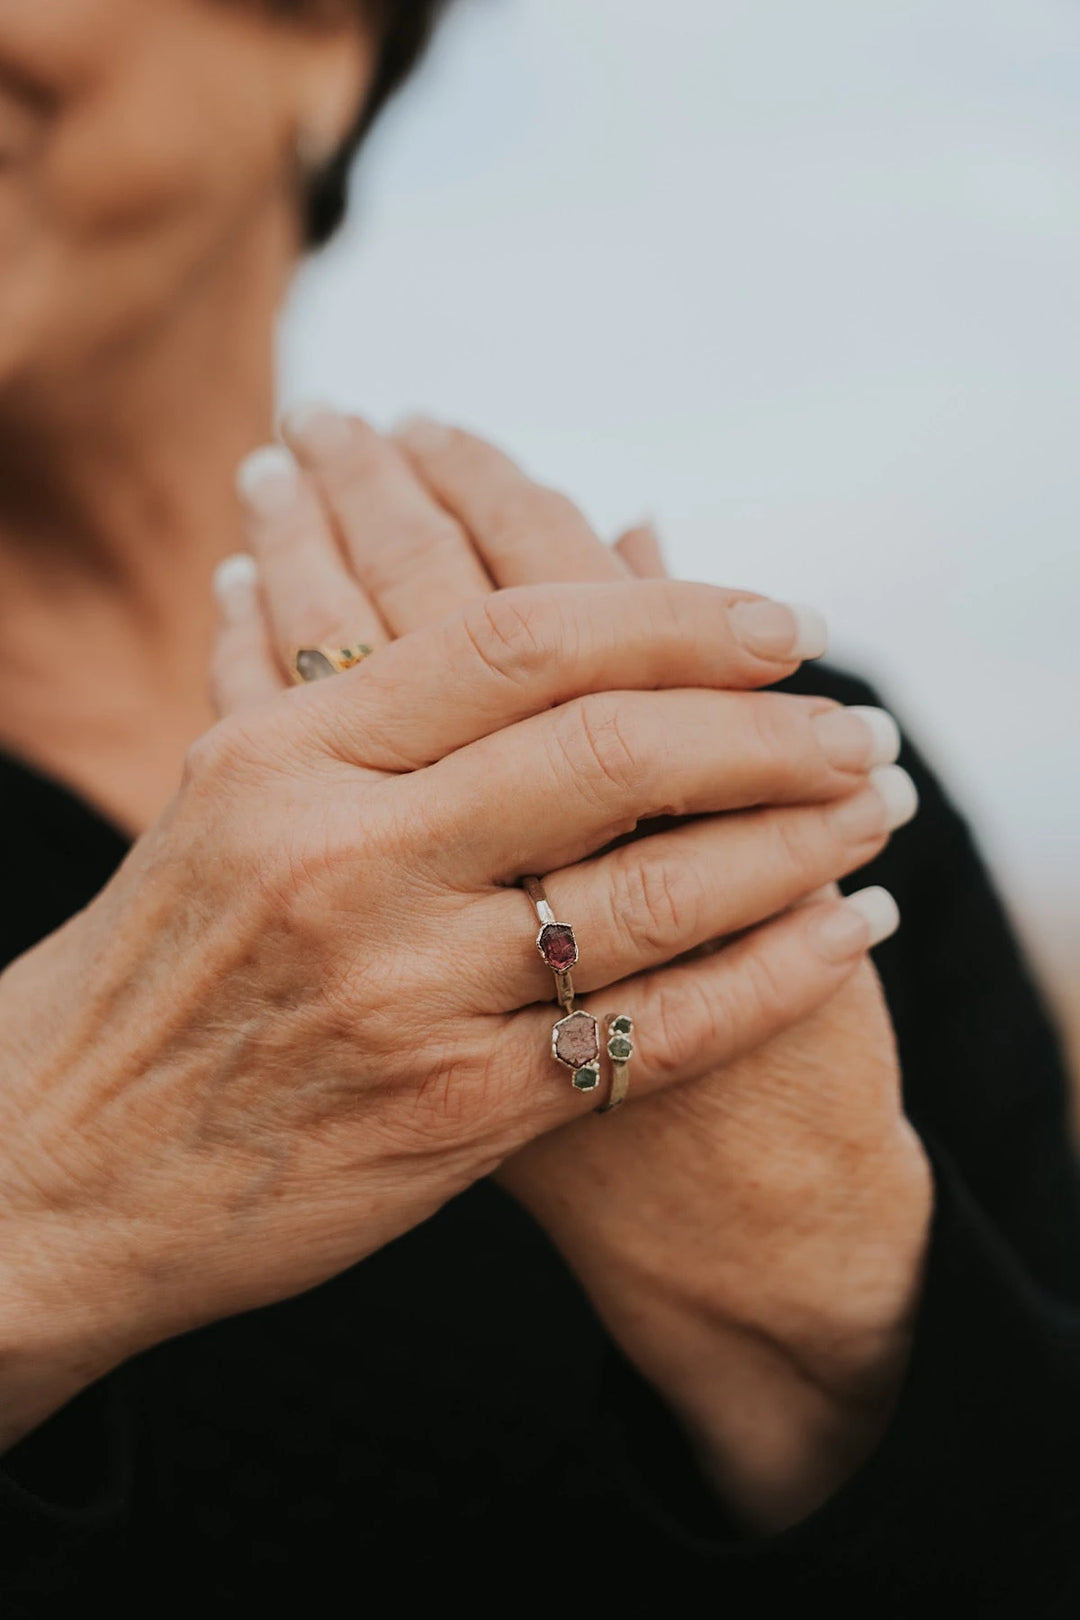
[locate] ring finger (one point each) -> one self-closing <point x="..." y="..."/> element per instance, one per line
<point x="415" y="561"/>
<point x="312" y="599"/>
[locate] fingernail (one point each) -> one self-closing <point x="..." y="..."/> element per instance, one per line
<point x="858" y="737"/>
<point x="856" y="925"/>
<point x="319" y="427"/>
<point x="422" y="433"/>
<point x="233" y="581"/>
<point x="884" y="731"/>
<point x="898" y="792"/>
<point x="785" y="630"/>
<point x="268" y="479"/>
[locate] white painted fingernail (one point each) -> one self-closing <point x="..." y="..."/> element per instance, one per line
<point x="860" y="922"/>
<point x="238" y="572"/>
<point x="268" y="480"/>
<point x="898" y="792"/>
<point x="812" y="636"/>
<point x="422" y="433"/>
<point x="233" y="582"/>
<point x="879" y="911"/>
<point x="884" y="731"/>
<point x="783" y="630"/>
<point x="319" y="427"/>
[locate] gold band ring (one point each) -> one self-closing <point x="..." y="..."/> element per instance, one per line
<point x="316" y="663"/>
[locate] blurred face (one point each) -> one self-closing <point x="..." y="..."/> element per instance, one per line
<point x="142" y="144"/>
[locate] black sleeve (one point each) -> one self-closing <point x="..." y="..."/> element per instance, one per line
<point x="984" y="1074"/>
<point x="65" y="1502"/>
<point x="971" y="1504"/>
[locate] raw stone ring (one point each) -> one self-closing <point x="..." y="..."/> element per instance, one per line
<point x="555" y="942"/>
<point x="316" y="663"/>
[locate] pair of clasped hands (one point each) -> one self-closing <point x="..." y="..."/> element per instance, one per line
<point x="309" y="1008"/>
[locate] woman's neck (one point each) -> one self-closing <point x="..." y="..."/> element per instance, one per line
<point x="116" y="502"/>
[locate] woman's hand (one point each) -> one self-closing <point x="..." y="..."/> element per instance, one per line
<point x="753" y="1240"/>
<point x="305" y="1012"/>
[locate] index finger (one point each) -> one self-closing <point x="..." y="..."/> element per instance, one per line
<point x="520" y="652"/>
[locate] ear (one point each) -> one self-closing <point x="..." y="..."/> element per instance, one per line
<point x="333" y="66"/>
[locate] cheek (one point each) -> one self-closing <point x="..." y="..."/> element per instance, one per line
<point x="143" y="179"/>
<point x="161" y="151"/>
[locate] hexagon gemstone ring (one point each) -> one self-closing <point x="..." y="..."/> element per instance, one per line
<point x="555" y="942"/>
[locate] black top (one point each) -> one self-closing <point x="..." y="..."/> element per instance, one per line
<point x="447" y="1422"/>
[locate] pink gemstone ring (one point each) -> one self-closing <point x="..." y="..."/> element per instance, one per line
<point x="555" y="942"/>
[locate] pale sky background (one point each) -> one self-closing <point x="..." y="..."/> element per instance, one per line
<point x="801" y="281"/>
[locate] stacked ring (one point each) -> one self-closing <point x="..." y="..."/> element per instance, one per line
<point x="316" y="663"/>
<point x="575" y="1039"/>
<point x="620" y="1048"/>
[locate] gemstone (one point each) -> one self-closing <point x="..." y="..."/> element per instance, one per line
<point x="558" y="947"/>
<point x="620" y="1050"/>
<point x="622" y="1025"/>
<point x="351" y="656"/>
<point x="575" y="1040"/>
<point x="586" y="1079"/>
<point x="312" y="665"/>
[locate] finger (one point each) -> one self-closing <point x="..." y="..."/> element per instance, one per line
<point x="645" y="903"/>
<point x="559" y="786"/>
<point x="641" y="551"/>
<point x="693" y="1019"/>
<point x="525" y="533"/>
<point x="518" y="653"/>
<point x="243" y="669"/>
<point x="411" y="556"/>
<point x="310" y="595"/>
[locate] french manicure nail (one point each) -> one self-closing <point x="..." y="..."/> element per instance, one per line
<point x="884" y="731"/>
<point x="898" y="792"/>
<point x="233" y="581"/>
<point x="422" y="433"/>
<point x="783" y="630"/>
<point x="268" y="479"/>
<point x="319" y="427"/>
<point x="860" y="922"/>
<point x="858" y="737"/>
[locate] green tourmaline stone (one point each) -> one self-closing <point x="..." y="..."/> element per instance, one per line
<point x="619" y="1048"/>
<point x="586" y="1079"/>
<point x="622" y="1025"/>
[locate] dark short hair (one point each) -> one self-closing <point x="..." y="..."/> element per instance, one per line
<point x="403" y="29"/>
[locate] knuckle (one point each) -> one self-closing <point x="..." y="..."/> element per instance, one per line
<point x="599" y="749"/>
<point x="507" y="632"/>
<point x="211" y="758"/>
<point x="683" y="1026"/>
<point x="653" y="900"/>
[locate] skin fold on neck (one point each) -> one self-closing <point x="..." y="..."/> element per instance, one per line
<point x="116" y="503"/>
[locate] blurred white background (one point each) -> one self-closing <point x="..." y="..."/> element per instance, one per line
<point x="803" y="283"/>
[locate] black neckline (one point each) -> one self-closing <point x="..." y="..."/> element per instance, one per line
<point x="27" y="791"/>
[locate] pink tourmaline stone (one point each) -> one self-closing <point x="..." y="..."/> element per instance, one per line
<point x="577" y="1040"/>
<point x="558" y="946"/>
